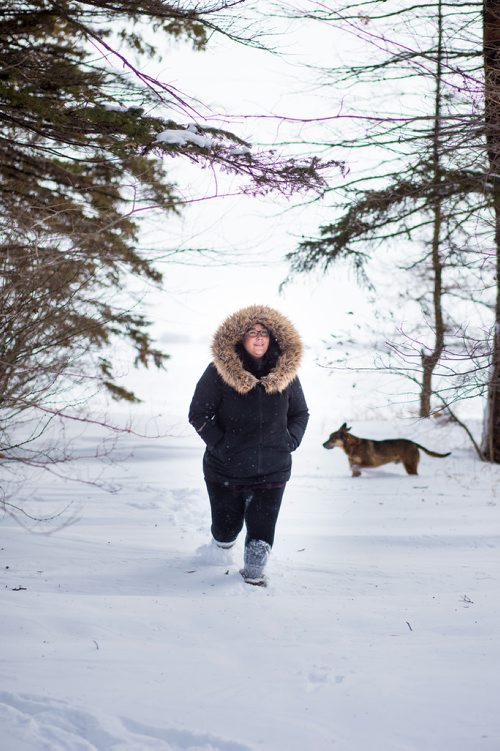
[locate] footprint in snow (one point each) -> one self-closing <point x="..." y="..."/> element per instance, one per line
<point x="37" y="722"/>
<point x="319" y="677"/>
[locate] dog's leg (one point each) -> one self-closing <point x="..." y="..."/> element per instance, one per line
<point x="410" y="469"/>
<point x="411" y="464"/>
<point x="411" y="460"/>
<point x="356" y="471"/>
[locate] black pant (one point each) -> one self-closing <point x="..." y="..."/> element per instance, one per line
<point x="257" y="507"/>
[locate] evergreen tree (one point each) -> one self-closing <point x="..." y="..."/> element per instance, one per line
<point x="84" y="137"/>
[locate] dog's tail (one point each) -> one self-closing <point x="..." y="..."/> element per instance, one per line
<point x="432" y="453"/>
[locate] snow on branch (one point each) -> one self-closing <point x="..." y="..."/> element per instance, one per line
<point x="266" y="170"/>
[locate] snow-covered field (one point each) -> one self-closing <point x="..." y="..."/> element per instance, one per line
<point x="379" y="630"/>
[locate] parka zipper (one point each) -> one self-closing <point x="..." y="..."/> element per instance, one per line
<point x="259" y="445"/>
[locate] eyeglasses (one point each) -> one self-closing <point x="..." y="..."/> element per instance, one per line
<point x="254" y="333"/>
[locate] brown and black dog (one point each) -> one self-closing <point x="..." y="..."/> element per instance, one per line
<point x="364" y="452"/>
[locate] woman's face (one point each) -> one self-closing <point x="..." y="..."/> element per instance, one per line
<point x="256" y="340"/>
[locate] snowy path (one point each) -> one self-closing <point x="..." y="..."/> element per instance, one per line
<point x="379" y="628"/>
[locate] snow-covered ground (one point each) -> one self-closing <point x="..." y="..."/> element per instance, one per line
<point x="123" y="629"/>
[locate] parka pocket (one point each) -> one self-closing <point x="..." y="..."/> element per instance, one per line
<point x="219" y="450"/>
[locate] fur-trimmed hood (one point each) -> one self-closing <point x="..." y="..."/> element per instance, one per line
<point x="229" y="364"/>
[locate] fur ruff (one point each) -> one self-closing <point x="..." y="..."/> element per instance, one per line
<point x="229" y="364"/>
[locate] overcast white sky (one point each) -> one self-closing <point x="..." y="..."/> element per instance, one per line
<point x="253" y="235"/>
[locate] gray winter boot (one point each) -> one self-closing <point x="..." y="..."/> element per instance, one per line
<point x="255" y="558"/>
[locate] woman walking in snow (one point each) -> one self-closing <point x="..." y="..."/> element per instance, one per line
<point x="250" y="410"/>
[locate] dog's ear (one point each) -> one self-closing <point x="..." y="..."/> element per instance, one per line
<point x="347" y="429"/>
<point x="344" y="427"/>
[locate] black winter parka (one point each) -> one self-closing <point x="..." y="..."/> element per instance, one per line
<point x="250" y="424"/>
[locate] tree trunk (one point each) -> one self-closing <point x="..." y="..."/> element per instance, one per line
<point x="429" y="361"/>
<point x="491" y="433"/>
